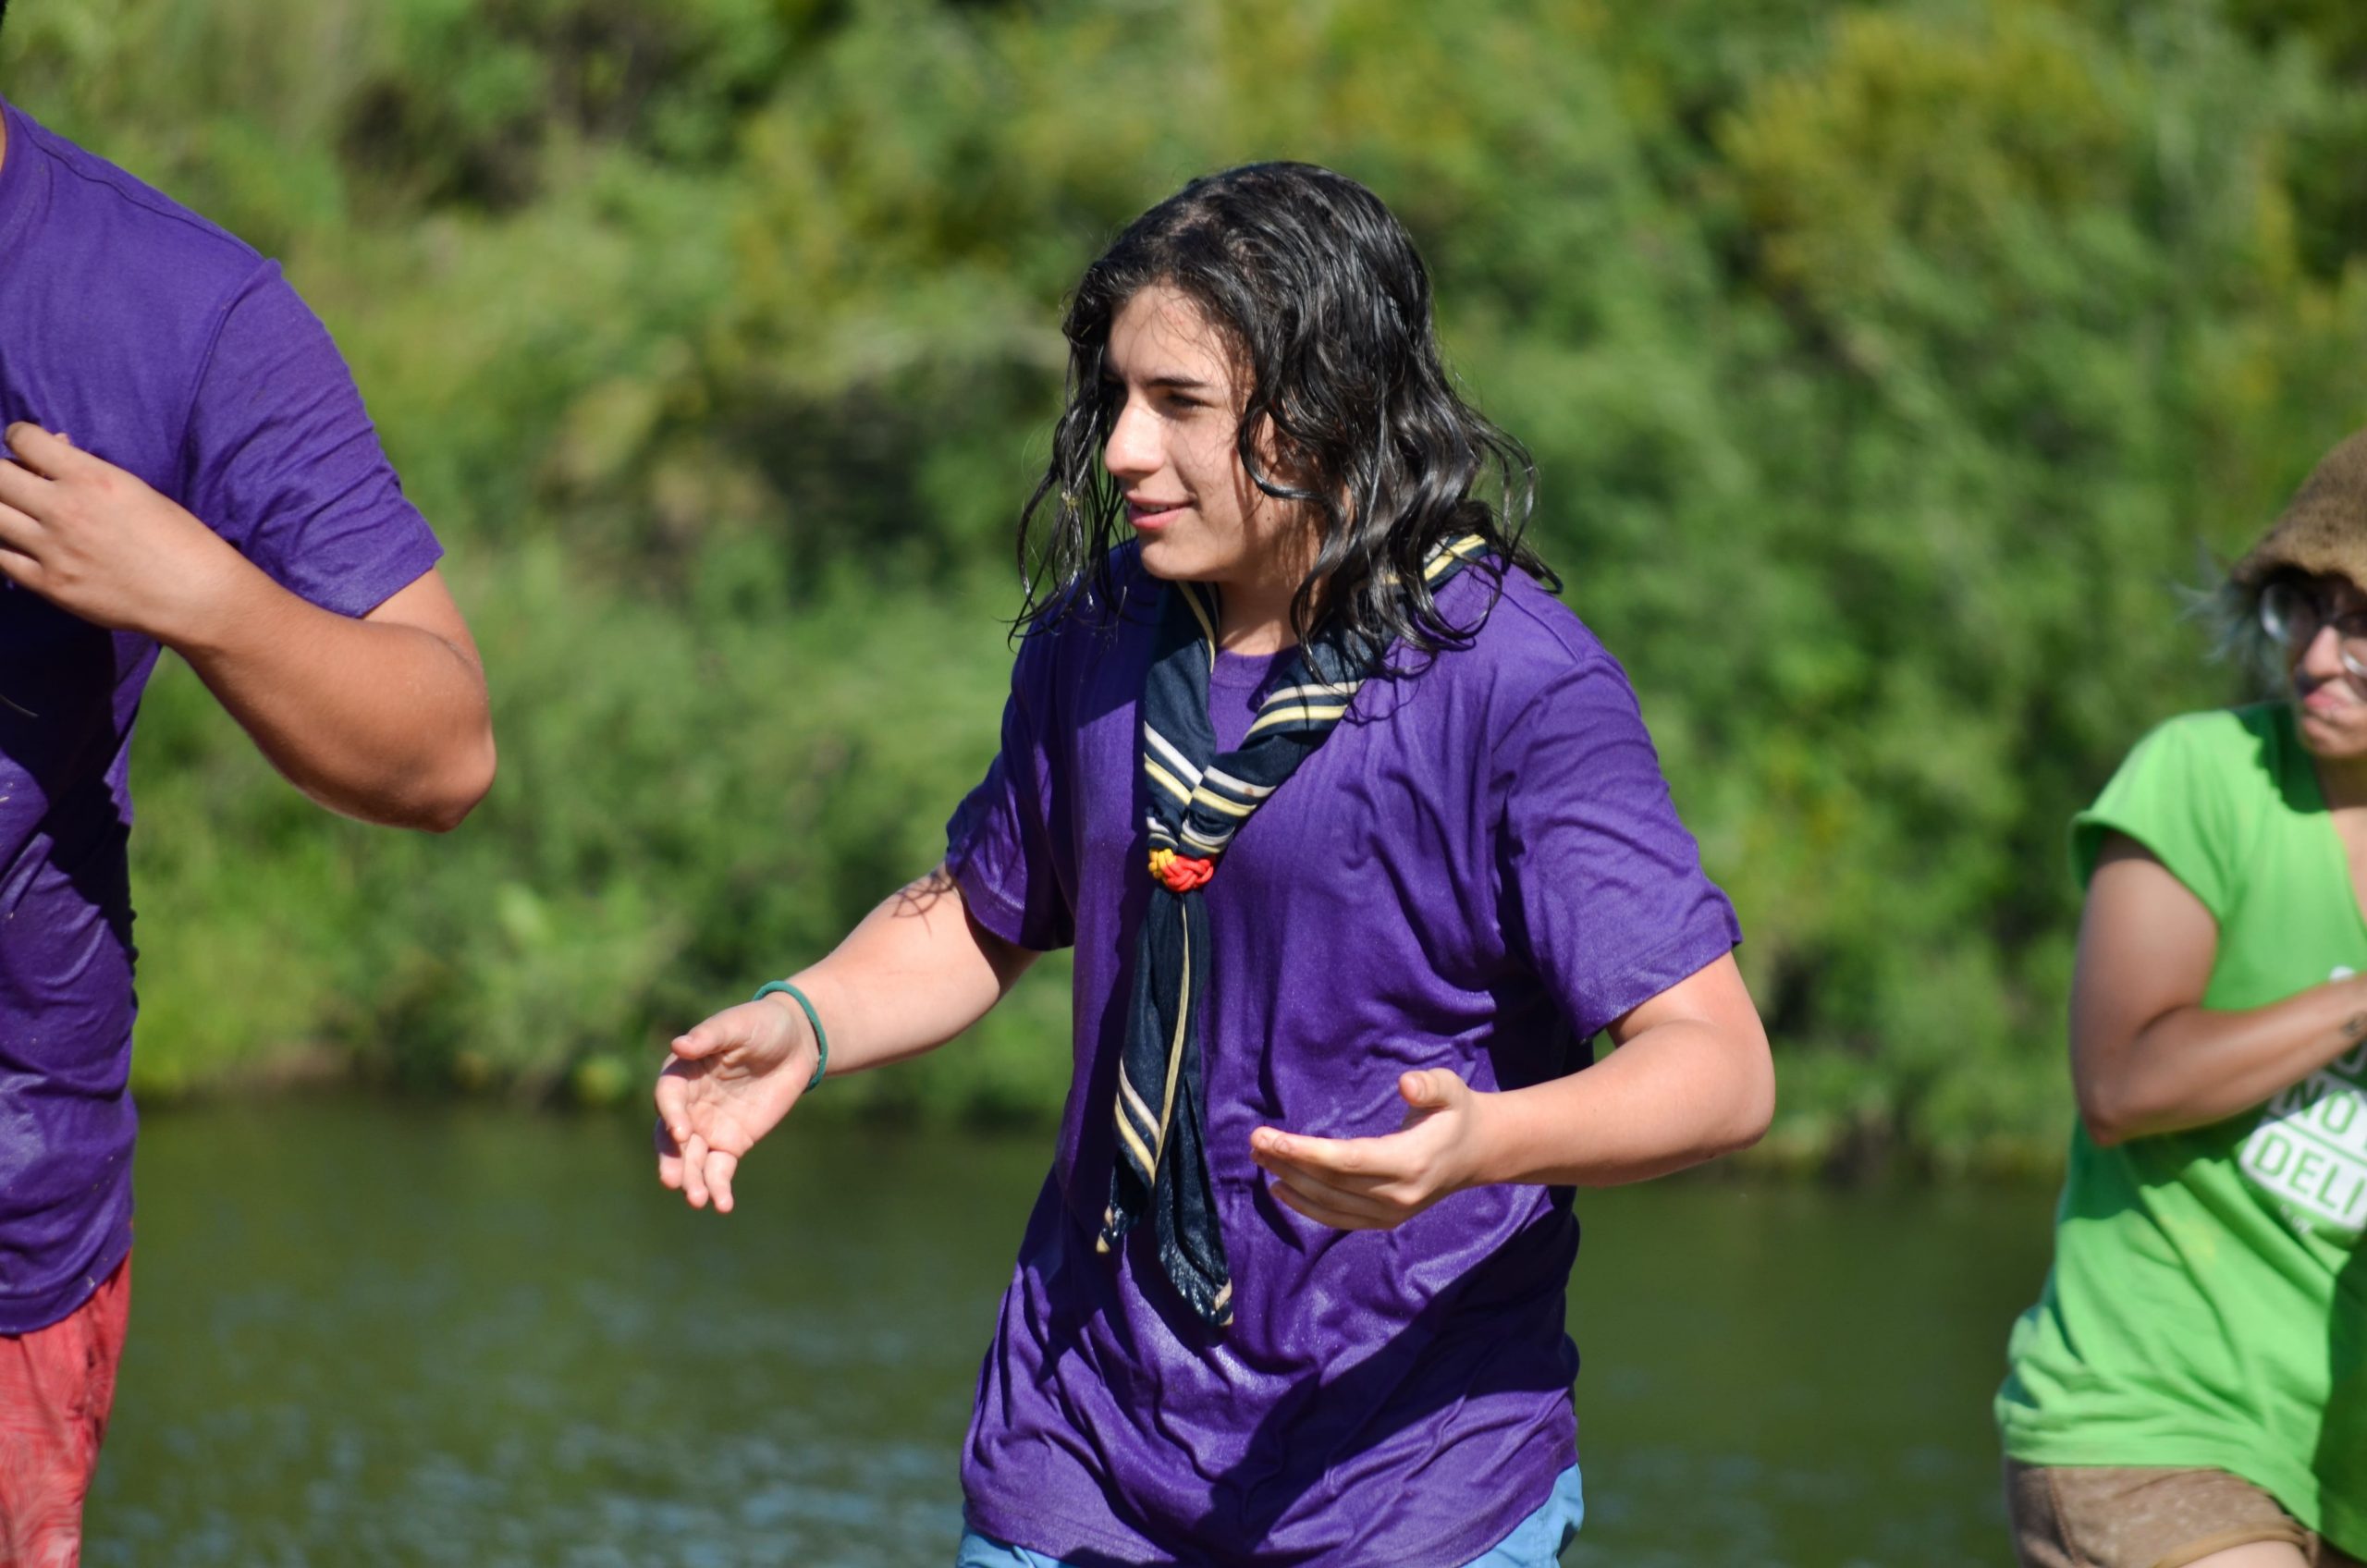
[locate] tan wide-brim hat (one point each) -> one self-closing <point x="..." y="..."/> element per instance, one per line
<point x="2323" y="531"/>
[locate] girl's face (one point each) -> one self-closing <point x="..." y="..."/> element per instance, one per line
<point x="1171" y="380"/>
<point x="2321" y="617"/>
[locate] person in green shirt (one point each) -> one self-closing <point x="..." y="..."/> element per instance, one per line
<point x="2192" y="1386"/>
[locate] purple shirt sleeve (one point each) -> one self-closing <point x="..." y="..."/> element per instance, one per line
<point x="1603" y="887"/>
<point x="999" y="844"/>
<point x="281" y="458"/>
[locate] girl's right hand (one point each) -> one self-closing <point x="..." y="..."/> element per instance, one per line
<point x="732" y="1080"/>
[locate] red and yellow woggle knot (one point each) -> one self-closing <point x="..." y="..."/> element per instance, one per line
<point x="1180" y="873"/>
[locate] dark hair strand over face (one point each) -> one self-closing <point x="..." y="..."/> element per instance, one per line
<point x="1319" y="293"/>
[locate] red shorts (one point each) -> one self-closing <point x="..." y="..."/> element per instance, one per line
<point x="56" y="1387"/>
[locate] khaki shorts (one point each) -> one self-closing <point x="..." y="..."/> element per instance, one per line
<point x="2144" y="1516"/>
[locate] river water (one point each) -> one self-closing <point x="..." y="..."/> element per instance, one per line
<point x="379" y="1333"/>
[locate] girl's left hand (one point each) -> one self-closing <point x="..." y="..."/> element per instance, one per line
<point x="1380" y="1183"/>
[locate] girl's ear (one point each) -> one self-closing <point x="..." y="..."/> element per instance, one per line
<point x="1282" y="461"/>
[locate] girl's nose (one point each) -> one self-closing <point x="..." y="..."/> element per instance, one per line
<point x="2322" y="654"/>
<point x="1131" y="451"/>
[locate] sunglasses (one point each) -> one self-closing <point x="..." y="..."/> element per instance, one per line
<point x="2294" y="613"/>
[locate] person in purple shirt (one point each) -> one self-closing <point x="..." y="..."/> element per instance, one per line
<point x="187" y="465"/>
<point x="1359" y="841"/>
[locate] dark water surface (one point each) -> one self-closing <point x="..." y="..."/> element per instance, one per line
<point x="381" y="1334"/>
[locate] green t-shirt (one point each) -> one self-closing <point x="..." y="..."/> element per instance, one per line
<point x="2208" y="1304"/>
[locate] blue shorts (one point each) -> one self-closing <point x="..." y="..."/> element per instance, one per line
<point x="1537" y="1542"/>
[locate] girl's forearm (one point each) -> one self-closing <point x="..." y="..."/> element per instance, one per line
<point x="914" y="972"/>
<point x="1674" y="1095"/>
<point x="2195" y="1066"/>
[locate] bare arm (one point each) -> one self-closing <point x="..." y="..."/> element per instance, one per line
<point x="1691" y="1079"/>
<point x="916" y="972"/>
<point x="383" y="718"/>
<point x="2146" y="1056"/>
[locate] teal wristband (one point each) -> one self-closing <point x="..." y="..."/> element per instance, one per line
<point x="821" y="1040"/>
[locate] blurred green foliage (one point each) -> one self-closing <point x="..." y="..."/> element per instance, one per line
<point x="1888" y="367"/>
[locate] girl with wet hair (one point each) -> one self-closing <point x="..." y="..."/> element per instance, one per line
<point x="1360" y="842"/>
<point x="2192" y="1386"/>
<point x="1321" y="309"/>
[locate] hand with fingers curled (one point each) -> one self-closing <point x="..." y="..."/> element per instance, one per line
<point x="728" y="1081"/>
<point x="1380" y="1183"/>
<point x="97" y="542"/>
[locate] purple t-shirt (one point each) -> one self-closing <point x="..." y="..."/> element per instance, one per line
<point x="166" y="345"/>
<point x="1479" y="870"/>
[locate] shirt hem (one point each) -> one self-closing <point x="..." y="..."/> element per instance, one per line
<point x="1708" y="935"/>
<point x="987" y="904"/>
<point x="31" y="1314"/>
<point x="1446" y="1550"/>
<point x="356" y="595"/>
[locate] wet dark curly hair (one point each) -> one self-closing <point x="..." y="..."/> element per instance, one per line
<point x="1326" y="307"/>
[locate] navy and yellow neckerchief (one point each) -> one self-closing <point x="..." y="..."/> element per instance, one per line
<point x="1198" y="801"/>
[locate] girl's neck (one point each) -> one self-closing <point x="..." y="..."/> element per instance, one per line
<point x="1254" y="615"/>
<point x="1263" y="630"/>
<point x="2342" y="782"/>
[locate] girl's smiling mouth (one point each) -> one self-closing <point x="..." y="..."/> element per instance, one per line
<point x="1144" y="513"/>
